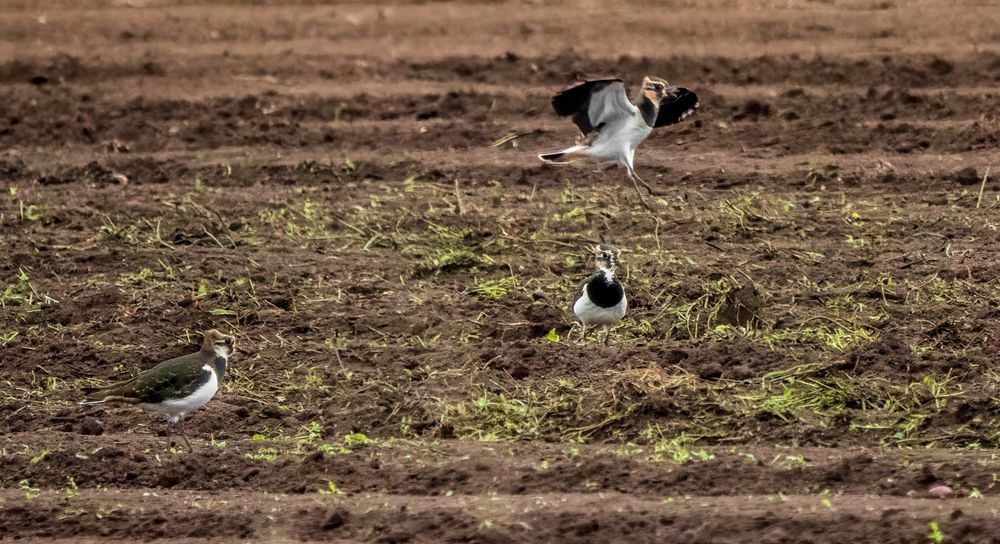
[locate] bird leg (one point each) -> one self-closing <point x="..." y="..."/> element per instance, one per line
<point x="572" y="327"/>
<point x="647" y="186"/>
<point x="607" y="336"/>
<point x="633" y="176"/>
<point x="187" y="443"/>
<point x="180" y="431"/>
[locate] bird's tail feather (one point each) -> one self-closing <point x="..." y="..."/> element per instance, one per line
<point x="98" y="395"/>
<point x="95" y="393"/>
<point x="106" y="397"/>
<point x="556" y="155"/>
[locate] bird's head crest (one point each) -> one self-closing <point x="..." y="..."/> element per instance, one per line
<point x="656" y="89"/>
<point x="220" y="343"/>
<point x="606" y="257"/>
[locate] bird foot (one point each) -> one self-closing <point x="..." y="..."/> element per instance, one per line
<point x="180" y="433"/>
<point x="648" y="187"/>
<point x="638" y="193"/>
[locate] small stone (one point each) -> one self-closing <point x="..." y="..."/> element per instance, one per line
<point x="968" y="176"/>
<point x="940" y="491"/>
<point x="117" y="146"/>
<point x="941" y="66"/>
<point x="711" y="371"/>
<point x="90" y="426"/>
<point x="335" y="519"/>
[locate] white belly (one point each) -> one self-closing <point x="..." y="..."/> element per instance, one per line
<point x="592" y="315"/>
<point x="617" y="142"/>
<point x="176" y="409"/>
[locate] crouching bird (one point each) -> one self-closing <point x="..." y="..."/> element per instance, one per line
<point x="612" y="127"/>
<point x="176" y="386"/>
<point x="602" y="302"/>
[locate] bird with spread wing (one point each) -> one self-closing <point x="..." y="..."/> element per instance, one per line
<point x="612" y="126"/>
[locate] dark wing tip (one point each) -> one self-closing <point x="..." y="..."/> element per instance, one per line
<point x="676" y="108"/>
<point x="576" y="97"/>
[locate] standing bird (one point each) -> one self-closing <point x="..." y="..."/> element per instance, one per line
<point x="176" y="386"/>
<point x="602" y="301"/>
<point x="612" y="127"/>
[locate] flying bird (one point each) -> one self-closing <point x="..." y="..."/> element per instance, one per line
<point x="612" y="127"/>
<point x="602" y="301"/>
<point x="176" y="386"/>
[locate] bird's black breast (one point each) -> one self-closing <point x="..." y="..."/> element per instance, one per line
<point x="220" y="364"/>
<point x="604" y="293"/>
<point x="648" y="109"/>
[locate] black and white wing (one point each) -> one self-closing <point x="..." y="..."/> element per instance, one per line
<point x="676" y="108"/>
<point x="594" y="103"/>
<point x="583" y="284"/>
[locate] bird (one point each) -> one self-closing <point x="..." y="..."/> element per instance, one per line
<point x="612" y="127"/>
<point x="602" y="301"/>
<point x="177" y="386"/>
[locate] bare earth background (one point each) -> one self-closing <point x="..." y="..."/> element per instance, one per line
<point x="815" y="304"/>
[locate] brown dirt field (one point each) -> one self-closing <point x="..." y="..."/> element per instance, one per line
<point x="319" y="180"/>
